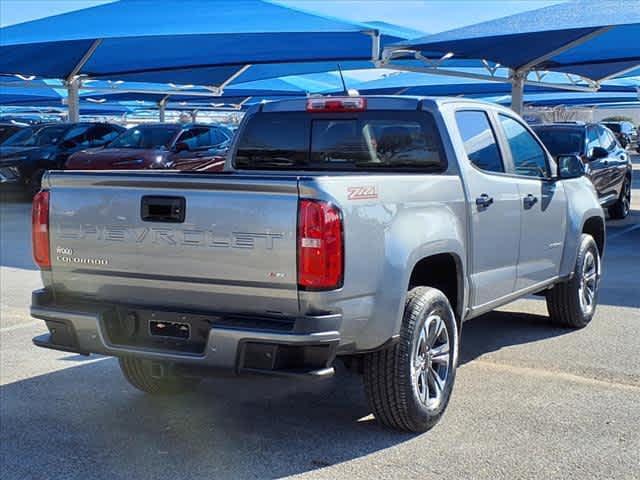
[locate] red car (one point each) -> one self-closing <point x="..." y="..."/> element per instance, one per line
<point x="179" y="147"/>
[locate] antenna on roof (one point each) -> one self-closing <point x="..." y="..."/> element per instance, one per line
<point x="344" y="85"/>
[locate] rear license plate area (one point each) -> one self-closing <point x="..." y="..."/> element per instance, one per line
<point x="159" y="330"/>
<point x="179" y="330"/>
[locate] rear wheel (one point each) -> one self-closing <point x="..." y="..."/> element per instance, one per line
<point x="155" y="377"/>
<point x="622" y="207"/>
<point x="573" y="303"/>
<point x="409" y="384"/>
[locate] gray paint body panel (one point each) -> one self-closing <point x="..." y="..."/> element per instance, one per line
<point x="200" y="264"/>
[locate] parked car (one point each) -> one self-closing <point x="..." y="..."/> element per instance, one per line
<point x="180" y="147"/>
<point x="30" y="152"/>
<point x="7" y="130"/>
<point x="625" y="133"/>
<point x="361" y="228"/>
<point x="607" y="164"/>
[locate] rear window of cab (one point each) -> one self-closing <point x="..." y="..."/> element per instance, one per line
<point x="372" y="140"/>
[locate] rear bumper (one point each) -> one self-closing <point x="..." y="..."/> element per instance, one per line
<point x="308" y="348"/>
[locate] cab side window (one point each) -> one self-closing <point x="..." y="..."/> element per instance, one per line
<point x="101" y="134"/>
<point x="479" y="140"/>
<point x="529" y="159"/>
<point x="77" y="137"/>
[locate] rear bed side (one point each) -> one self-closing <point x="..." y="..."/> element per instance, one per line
<point x="411" y="217"/>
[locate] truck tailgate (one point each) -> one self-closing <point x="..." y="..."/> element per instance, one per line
<point x="125" y="241"/>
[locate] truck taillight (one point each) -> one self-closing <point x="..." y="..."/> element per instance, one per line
<point x="320" y="248"/>
<point x="40" y="230"/>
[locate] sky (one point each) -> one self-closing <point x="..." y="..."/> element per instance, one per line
<point x="430" y="16"/>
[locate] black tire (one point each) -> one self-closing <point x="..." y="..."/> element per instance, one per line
<point x="622" y="207"/>
<point x="393" y="395"/>
<point x="566" y="309"/>
<point x="138" y="372"/>
<point x="35" y="182"/>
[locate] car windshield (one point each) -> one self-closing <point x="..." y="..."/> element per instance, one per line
<point x="7" y="131"/>
<point x="562" y="141"/>
<point x="159" y="136"/>
<point x="32" y="137"/>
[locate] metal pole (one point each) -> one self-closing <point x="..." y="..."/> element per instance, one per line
<point x="162" y="105"/>
<point x="73" y="100"/>
<point x="517" y="91"/>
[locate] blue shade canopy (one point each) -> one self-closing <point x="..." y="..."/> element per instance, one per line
<point x="592" y="38"/>
<point x="13" y="91"/>
<point x="201" y="41"/>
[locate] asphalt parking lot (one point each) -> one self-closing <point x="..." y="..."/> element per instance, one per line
<point x="530" y="401"/>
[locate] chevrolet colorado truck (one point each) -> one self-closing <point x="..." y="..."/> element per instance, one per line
<point x="366" y="229"/>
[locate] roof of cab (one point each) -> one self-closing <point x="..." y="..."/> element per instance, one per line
<point x="374" y="102"/>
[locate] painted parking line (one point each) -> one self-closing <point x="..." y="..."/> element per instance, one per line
<point x="623" y="232"/>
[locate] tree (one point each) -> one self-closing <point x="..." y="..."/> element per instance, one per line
<point x="617" y="118"/>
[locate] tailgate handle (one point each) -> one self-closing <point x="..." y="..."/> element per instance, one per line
<point x="163" y="209"/>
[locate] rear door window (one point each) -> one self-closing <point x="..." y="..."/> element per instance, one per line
<point x="479" y="140"/>
<point x="374" y="140"/>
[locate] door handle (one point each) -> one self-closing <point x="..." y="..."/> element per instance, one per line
<point x="484" y="201"/>
<point x="530" y="201"/>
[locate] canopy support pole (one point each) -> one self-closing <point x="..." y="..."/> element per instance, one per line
<point x="194" y="116"/>
<point x="517" y="90"/>
<point x="73" y="83"/>
<point x="73" y="100"/>
<point x="568" y="46"/>
<point x="375" y="45"/>
<point x="162" y="105"/>
<point x="219" y="90"/>
<point x="477" y="76"/>
<point x="621" y="72"/>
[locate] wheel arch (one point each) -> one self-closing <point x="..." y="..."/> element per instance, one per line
<point x="443" y="271"/>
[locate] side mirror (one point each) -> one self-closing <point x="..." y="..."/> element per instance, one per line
<point x="181" y="147"/>
<point x="598" y="153"/>
<point x="570" y="166"/>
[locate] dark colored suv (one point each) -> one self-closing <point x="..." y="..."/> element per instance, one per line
<point x="607" y="163"/>
<point x="164" y="145"/>
<point x="625" y="132"/>
<point x="27" y="154"/>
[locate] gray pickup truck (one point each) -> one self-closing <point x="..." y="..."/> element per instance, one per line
<point x="361" y="228"/>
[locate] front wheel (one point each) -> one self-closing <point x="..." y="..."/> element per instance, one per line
<point x="409" y="384"/>
<point x="573" y="303"/>
<point x="622" y="207"/>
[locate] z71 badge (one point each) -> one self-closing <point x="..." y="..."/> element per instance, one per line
<point x="364" y="192"/>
